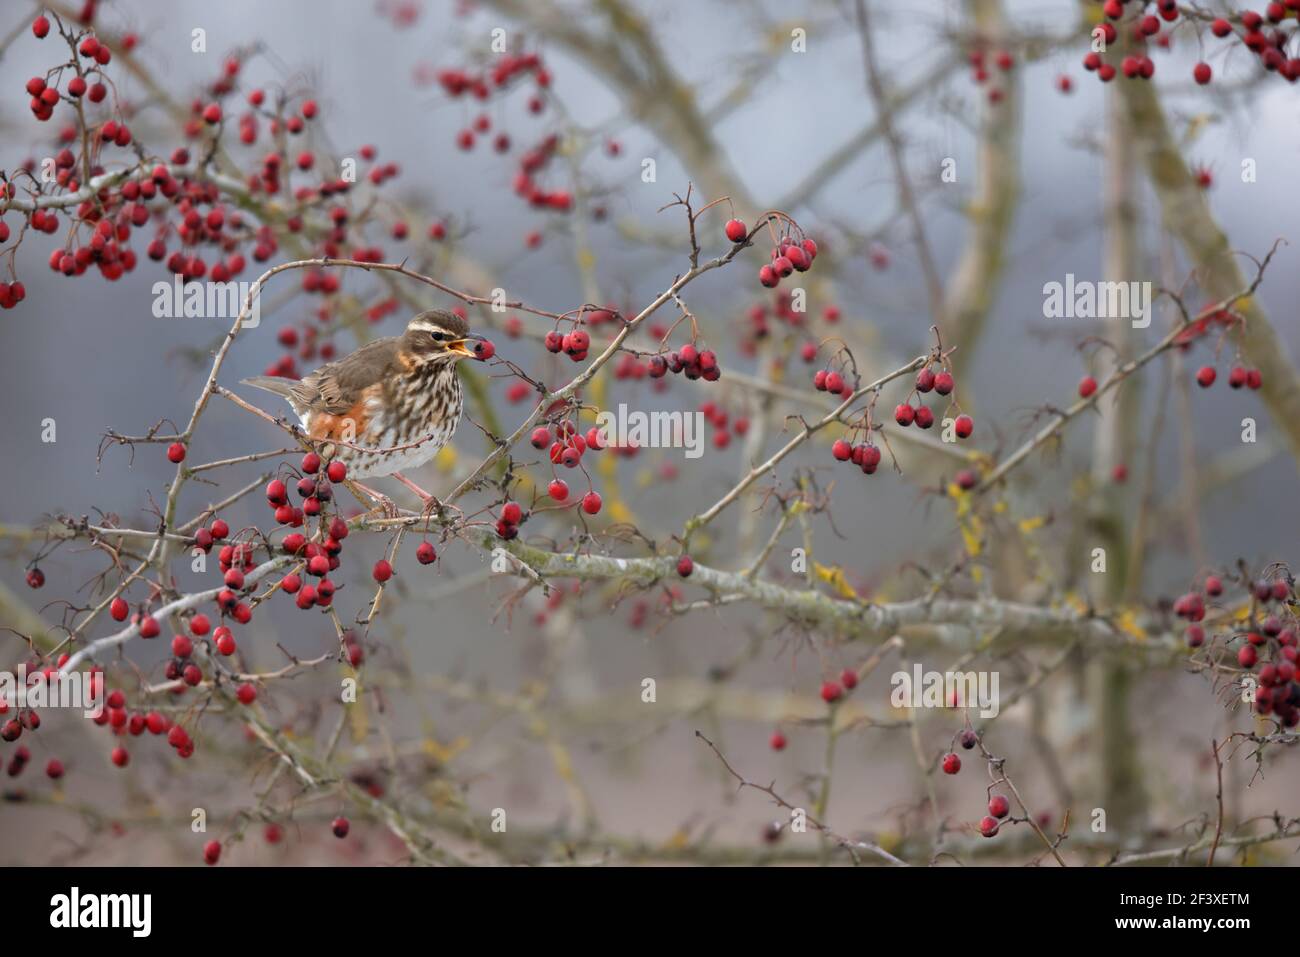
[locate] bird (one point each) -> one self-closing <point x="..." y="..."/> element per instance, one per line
<point x="390" y="405"/>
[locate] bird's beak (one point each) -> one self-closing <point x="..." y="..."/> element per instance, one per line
<point x="462" y="347"/>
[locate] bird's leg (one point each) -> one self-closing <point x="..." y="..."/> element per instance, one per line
<point x="381" y="501"/>
<point x="431" y="503"/>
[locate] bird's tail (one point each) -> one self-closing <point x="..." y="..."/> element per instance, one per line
<point x="271" y="383"/>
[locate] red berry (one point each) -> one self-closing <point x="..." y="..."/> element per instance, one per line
<point x="558" y="490"/>
<point x="849" y="678"/>
<point x="841" y="450"/>
<point x="1254" y="379"/>
<point x="685" y="566"/>
<point x="382" y="570"/>
<point x="182" y="646"/>
<point x="834" y="383"/>
<point x="541" y="437"/>
<point x="969" y="739"/>
<point x="1247" y="656"/>
<point x="512" y="513"/>
<point x="54" y="770"/>
<point x="735" y="230"/>
<point x="1195" y="635"/>
<point x="1205" y="376"/>
<point x="340" y="827"/>
<point x="311" y="463"/>
<point x="425" y="554"/>
<point x="1213" y="586"/>
<point x="591" y="503"/>
<point x="943" y="383"/>
<point x="989" y="827"/>
<point x="226" y="643"/>
<point x="777" y="742"/>
<point x="176" y="453"/>
<point x="336" y="471"/>
<point x="212" y="852"/>
<point x="120" y="757"/>
<point x="904" y="414"/>
<point x="1220" y="27"/>
<point x="963" y="426"/>
<point x="1087" y="386"/>
<point x="212" y="113"/>
<point x="1202" y="73"/>
<point x="119" y="609"/>
<point x="41" y="27"/>
<point x="246" y="693"/>
<point x="149" y="627"/>
<point x="951" y="763"/>
<point x="831" y="691"/>
<point x="925" y="380"/>
<point x="999" y="806"/>
<point x="219" y="529"/>
<point x="923" y="417"/>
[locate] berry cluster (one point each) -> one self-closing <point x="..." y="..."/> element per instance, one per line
<point x="566" y="447"/>
<point x="1003" y="60"/>
<point x="689" y="361"/>
<point x="1239" y="376"/>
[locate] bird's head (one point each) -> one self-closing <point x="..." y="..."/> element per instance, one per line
<point x="440" y="336"/>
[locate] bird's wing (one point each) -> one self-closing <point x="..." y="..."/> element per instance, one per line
<point x="336" y="388"/>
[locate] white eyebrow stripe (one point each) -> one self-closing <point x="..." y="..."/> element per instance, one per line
<point x="424" y="325"/>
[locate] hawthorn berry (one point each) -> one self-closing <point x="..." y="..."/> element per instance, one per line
<point x="1247" y="656"/>
<point x="119" y="609"/>
<point x="246" y="693"/>
<point x="831" y="691"/>
<point x="310" y="464"/>
<point x="41" y="27"/>
<point x="923" y="417"/>
<point x="425" y="554"/>
<point x="512" y="513"/>
<point x="849" y="678"/>
<point x="951" y="763"/>
<point x="35" y="578"/>
<point x="340" y="827"/>
<point x="54" y="769"/>
<point x="212" y="852"/>
<point x="904" y="414"/>
<point x="964" y="426"/>
<point x="1213" y="586"/>
<point x="382" y="570"/>
<point x="1202" y="73"/>
<point x="120" y="757"/>
<point x="969" y="739"/>
<point x="777" y="742"/>
<point x="176" y="453"/>
<point x="1205" y="376"/>
<point x="1087" y="386"/>
<point x="735" y="230"/>
<point x="925" y="380"/>
<point x="591" y="503"/>
<point x="999" y="806"/>
<point x="558" y="490"/>
<point x="989" y="827"/>
<point x="841" y="450"/>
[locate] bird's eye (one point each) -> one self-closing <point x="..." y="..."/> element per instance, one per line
<point x="437" y="336"/>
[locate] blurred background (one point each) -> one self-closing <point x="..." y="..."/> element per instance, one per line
<point x="474" y="704"/>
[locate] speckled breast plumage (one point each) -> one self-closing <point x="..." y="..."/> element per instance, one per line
<point x="401" y="424"/>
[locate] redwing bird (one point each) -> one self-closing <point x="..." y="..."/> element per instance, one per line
<point x="397" y="399"/>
